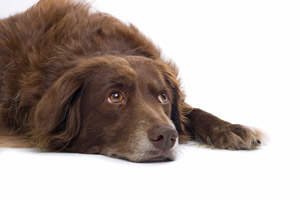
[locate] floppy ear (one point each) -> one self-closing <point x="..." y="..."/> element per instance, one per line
<point x="175" y="114"/>
<point x="178" y="115"/>
<point x="57" y="115"/>
<point x="179" y="108"/>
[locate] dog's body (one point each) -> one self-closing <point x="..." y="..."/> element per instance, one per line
<point x="76" y="81"/>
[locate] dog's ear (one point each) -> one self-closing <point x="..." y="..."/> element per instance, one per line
<point x="57" y="115"/>
<point x="175" y="114"/>
<point x="179" y="108"/>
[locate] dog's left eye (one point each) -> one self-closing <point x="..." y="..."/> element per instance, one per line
<point x="163" y="98"/>
<point x="116" y="98"/>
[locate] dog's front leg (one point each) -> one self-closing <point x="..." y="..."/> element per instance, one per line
<point x="210" y="130"/>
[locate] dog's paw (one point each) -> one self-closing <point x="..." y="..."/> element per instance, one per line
<point x="235" y="137"/>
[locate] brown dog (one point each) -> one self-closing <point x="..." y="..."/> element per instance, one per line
<point x="76" y="81"/>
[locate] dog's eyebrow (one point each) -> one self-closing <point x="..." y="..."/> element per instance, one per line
<point x="156" y="87"/>
<point x="121" y="81"/>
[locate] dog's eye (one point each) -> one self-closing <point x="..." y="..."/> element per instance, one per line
<point x="163" y="98"/>
<point x="116" y="98"/>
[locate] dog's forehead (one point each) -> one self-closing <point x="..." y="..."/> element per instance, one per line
<point x="146" y="68"/>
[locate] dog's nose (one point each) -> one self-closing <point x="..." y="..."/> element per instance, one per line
<point x="163" y="137"/>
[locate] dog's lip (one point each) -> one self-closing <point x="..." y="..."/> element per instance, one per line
<point x="150" y="156"/>
<point x="157" y="159"/>
<point x="156" y="156"/>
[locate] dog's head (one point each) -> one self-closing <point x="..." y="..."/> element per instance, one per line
<point x="120" y="107"/>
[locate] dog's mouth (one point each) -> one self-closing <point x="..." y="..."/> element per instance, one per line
<point x="145" y="154"/>
<point x="158" y="159"/>
<point x="151" y="156"/>
<point x="159" y="156"/>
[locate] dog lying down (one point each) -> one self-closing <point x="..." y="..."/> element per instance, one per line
<point x="77" y="81"/>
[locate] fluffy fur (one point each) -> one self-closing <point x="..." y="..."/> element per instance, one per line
<point x="59" y="65"/>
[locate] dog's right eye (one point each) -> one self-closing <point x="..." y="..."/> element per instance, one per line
<point x="116" y="98"/>
<point x="163" y="98"/>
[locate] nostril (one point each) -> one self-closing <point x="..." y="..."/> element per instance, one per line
<point x="174" y="137"/>
<point x="159" y="137"/>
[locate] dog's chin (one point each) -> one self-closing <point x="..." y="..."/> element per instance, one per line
<point x="151" y="156"/>
<point x="143" y="153"/>
<point x="159" y="156"/>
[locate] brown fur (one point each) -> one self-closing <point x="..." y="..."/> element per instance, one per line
<point x="58" y="64"/>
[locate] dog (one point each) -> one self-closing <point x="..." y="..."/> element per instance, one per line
<point x="73" y="80"/>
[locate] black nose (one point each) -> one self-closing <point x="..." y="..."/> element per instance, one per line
<point x="163" y="137"/>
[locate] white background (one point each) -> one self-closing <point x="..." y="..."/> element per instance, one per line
<point x="239" y="60"/>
